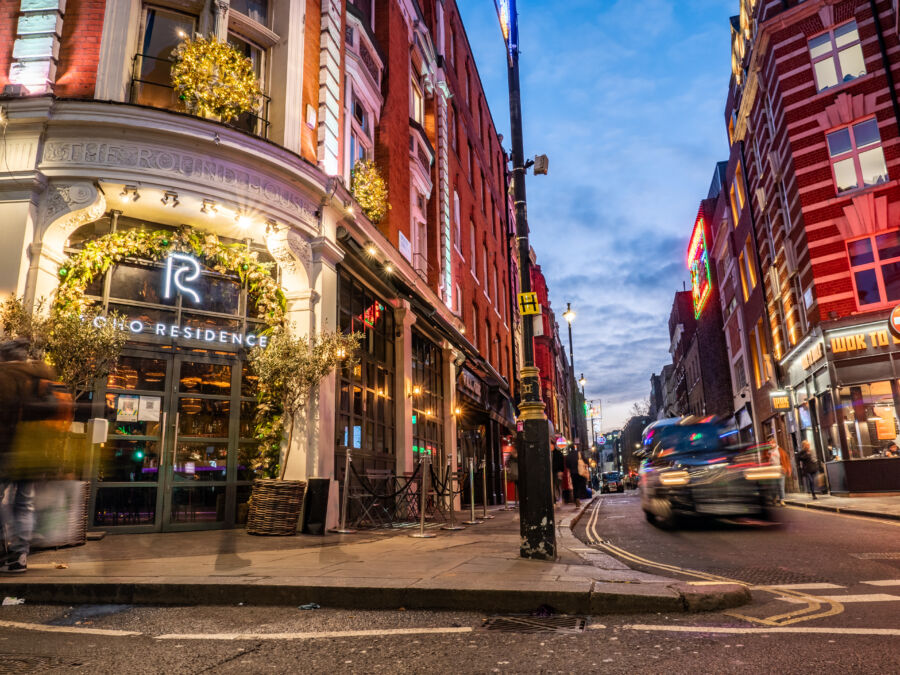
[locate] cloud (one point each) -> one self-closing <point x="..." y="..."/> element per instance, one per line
<point x="627" y="100"/>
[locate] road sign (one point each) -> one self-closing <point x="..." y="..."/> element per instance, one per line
<point x="894" y="322"/>
<point x="602" y="440"/>
<point x="528" y="304"/>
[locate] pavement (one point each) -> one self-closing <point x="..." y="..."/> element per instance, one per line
<point x="476" y="569"/>
<point x="874" y="507"/>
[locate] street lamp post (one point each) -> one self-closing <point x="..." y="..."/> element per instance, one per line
<point x="569" y="316"/>
<point x="537" y="522"/>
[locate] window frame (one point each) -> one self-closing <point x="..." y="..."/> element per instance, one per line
<point x="834" y="54"/>
<point x="854" y="154"/>
<point x="876" y="265"/>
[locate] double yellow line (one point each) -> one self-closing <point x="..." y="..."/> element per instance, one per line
<point x="816" y="608"/>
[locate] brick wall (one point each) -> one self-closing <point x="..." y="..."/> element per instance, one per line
<point x="79" y="51"/>
<point x="9" y="13"/>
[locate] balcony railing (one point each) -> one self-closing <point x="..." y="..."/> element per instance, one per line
<point x="151" y="86"/>
<point x="420" y="264"/>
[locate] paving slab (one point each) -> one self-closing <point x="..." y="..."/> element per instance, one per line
<point x="477" y="569"/>
<point x="870" y="506"/>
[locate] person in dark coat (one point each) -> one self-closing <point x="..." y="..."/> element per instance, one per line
<point x="809" y="465"/>
<point x="559" y="466"/>
<point x="578" y="482"/>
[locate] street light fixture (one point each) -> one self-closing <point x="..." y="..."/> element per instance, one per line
<point x="569" y="314"/>
<point x="582" y="382"/>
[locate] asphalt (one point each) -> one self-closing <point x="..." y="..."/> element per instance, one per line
<point x="476" y="569"/>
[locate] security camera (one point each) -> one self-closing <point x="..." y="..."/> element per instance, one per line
<point x="541" y="165"/>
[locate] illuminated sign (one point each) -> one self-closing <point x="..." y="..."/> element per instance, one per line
<point x="561" y="442"/>
<point x="859" y="342"/>
<point x="509" y="24"/>
<point x="698" y="264"/>
<point x="171" y="330"/>
<point x="780" y="400"/>
<point x="176" y="275"/>
<point x="894" y="322"/>
<point x="602" y="440"/>
<point x="813" y="356"/>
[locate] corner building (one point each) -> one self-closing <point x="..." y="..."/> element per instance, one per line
<point x="97" y="146"/>
<point x="812" y="117"/>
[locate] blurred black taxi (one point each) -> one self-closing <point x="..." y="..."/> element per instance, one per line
<point x="689" y="469"/>
<point x="612" y="481"/>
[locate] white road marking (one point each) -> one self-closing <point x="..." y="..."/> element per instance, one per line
<point x="869" y="597"/>
<point x="596" y="626"/>
<point x="883" y="582"/>
<point x="775" y="629"/>
<point x="313" y="635"/>
<point x="67" y="629"/>
<point x="801" y="587"/>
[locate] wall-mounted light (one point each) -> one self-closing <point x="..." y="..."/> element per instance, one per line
<point x="371" y="249"/>
<point x="350" y="209"/>
<point x="130" y="193"/>
<point x="388" y="268"/>
<point x="169" y="198"/>
<point x="457" y="411"/>
<point x="209" y="207"/>
<point x="243" y="221"/>
<point x="416" y="390"/>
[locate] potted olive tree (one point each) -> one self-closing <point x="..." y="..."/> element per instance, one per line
<point x="289" y="369"/>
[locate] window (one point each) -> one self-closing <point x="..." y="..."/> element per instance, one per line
<point x="734" y="206"/>
<point x="472" y="266"/>
<point x="360" y="116"/>
<point x="163" y="31"/>
<point x="457" y="236"/>
<point x="427" y="374"/>
<point x="471" y="156"/>
<point x="416" y="101"/>
<point x="748" y="275"/>
<point x="258" y="10"/>
<point x="475" y="325"/>
<point x="856" y="156"/>
<point x="837" y="56"/>
<point x="751" y="270"/>
<point x="484" y="268"/>
<point x="451" y="126"/>
<point x="875" y="263"/>
<point x="458" y="300"/>
<point x="358" y="148"/>
<point x="495" y="296"/>
<point x="451" y="40"/>
<point x="744" y="286"/>
<point x="754" y="356"/>
<point x="739" y="184"/>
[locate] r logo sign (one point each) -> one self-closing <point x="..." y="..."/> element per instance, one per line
<point x="180" y="269"/>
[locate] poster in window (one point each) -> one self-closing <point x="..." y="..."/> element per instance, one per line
<point x="148" y="409"/>
<point x="127" y="409"/>
<point x="884" y="423"/>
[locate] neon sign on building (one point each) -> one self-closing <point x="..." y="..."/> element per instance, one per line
<point x="698" y="264"/>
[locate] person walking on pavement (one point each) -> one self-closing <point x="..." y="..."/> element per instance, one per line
<point x="809" y="465"/>
<point x="577" y="481"/>
<point x="778" y="457"/>
<point x="558" y="466"/>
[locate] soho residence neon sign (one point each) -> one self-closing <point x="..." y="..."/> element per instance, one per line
<point x="179" y="271"/>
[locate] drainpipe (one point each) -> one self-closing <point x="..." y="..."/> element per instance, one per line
<point x="889" y="76"/>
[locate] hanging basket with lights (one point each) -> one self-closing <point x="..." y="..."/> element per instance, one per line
<point x="214" y="79"/>
<point x="369" y="189"/>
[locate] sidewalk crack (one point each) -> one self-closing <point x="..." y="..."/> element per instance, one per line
<point x="234" y="657"/>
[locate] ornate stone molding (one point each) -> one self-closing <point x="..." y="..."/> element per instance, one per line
<point x="290" y="250"/>
<point x="846" y="109"/>
<point x="66" y="207"/>
<point x="866" y="214"/>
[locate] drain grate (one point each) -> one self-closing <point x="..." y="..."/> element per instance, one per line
<point x="535" y="624"/>
<point x="894" y="555"/>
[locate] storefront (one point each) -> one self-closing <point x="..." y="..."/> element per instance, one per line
<point x="844" y="393"/>
<point x="181" y="400"/>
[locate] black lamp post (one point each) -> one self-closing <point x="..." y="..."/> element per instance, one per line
<point x="536" y="517"/>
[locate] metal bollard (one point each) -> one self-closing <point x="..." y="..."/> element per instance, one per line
<point x="343" y="528"/>
<point x="506" y="506"/>
<point x="423" y="490"/>
<point x="452" y="524"/>
<point x="472" y="520"/>
<point x="484" y="513"/>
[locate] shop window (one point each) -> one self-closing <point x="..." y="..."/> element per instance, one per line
<point x="365" y="393"/>
<point x="875" y="263"/>
<point x="164" y="29"/>
<point x="837" y="56"/>
<point x="857" y="158"/>
<point x="869" y="419"/>
<point x="428" y="405"/>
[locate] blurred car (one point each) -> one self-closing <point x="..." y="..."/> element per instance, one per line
<point x="612" y="480"/>
<point x="631" y="480"/>
<point x="690" y="470"/>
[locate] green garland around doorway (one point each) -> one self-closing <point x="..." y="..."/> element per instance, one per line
<point x="98" y="255"/>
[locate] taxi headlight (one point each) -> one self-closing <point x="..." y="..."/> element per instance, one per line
<point x="763" y="473"/>
<point x="673" y="478"/>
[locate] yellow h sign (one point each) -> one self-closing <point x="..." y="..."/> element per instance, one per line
<point x="528" y="304"/>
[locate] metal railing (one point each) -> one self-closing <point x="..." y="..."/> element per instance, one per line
<point x="151" y="86"/>
<point x="420" y="264"/>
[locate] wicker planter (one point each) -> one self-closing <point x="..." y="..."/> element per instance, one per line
<point x="275" y="507"/>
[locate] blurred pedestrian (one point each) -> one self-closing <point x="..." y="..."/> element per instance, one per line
<point x="512" y="471"/>
<point x="32" y="413"/>
<point x="892" y="450"/>
<point x="809" y="466"/>
<point x="779" y="457"/>
<point x="559" y="467"/>
<point x="572" y="461"/>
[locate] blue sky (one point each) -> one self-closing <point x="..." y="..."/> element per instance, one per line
<point x="626" y="98"/>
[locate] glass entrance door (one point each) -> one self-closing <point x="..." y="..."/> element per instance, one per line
<point x="180" y="439"/>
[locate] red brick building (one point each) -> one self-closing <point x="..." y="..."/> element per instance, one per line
<point x="814" y="181"/>
<point x="98" y="143"/>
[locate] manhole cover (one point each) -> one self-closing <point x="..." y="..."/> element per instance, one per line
<point x="895" y="555"/>
<point x="535" y="624"/>
<point x="16" y="664"/>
